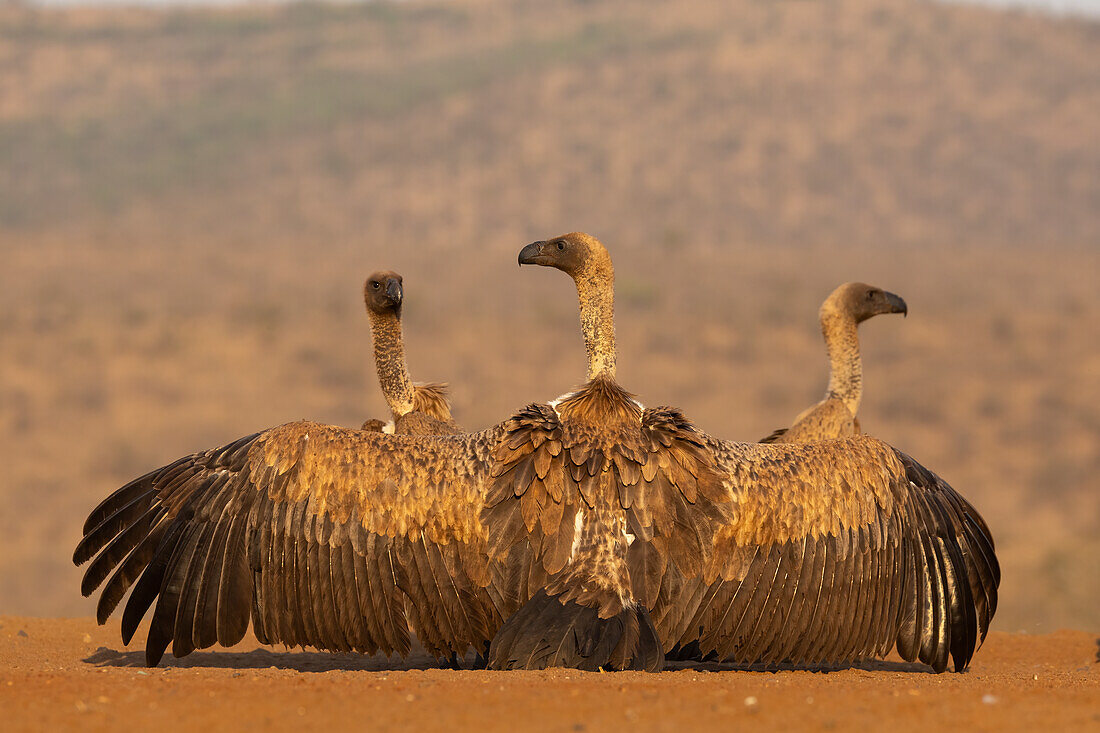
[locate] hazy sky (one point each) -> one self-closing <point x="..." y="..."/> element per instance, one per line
<point x="1082" y="7"/>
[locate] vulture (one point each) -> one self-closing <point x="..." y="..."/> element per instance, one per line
<point x="588" y="532"/>
<point x="416" y="408"/>
<point x="835" y="416"/>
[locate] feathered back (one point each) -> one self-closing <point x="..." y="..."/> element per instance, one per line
<point x="597" y="457"/>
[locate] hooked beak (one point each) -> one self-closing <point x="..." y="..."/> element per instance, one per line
<point x="393" y="291"/>
<point x="897" y="305"/>
<point x="530" y="254"/>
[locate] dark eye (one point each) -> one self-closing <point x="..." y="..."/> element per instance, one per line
<point x="561" y="245"/>
<point x="375" y="285"/>
<point x="871" y="294"/>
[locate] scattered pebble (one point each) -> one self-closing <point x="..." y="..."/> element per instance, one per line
<point x="410" y="697"/>
<point x="989" y="699"/>
<point x="87" y="638"/>
<point x="750" y="701"/>
<point x="81" y="706"/>
<point x="22" y="633"/>
<point x="102" y="698"/>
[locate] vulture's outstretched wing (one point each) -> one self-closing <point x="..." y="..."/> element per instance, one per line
<point x="836" y="550"/>
<point x="323" y="536"/>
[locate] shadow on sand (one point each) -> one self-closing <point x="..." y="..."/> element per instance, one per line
<point x="266" y="659"/>
<point x="302" y="661"/>
<point x="866" y="665"/>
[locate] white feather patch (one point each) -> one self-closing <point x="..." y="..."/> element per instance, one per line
<point x="388" y="428"/>
<point x="578" y="525"/>
<point x="558" y="400"/>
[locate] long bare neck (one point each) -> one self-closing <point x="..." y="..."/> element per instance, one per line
<point x="389" y="359"/>
<point x="596" y="292"/>
<point x="845" y="365"/>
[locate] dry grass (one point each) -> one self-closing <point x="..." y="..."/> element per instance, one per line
<point x="189" y="202"/>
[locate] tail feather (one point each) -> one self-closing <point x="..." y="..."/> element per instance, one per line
<point x="548" y="633"/>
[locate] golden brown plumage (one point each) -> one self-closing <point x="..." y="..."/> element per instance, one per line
<point x="322" y="536"/>
<point x="417" y="409"/>
<point x="582" y="482"/>
<point x="840" y="315"/>
<point x="589" y="532"/>
<point x="815" y="554"/>
<point x="838" y="550"/>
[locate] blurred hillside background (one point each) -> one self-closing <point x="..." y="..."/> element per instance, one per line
<point x="190" y="200"/>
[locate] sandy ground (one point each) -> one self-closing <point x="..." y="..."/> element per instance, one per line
<point x="191" y="201"/>
<point x="70" y="672"/>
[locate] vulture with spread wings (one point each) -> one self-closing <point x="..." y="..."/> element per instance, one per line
<point x="589" y="532"/>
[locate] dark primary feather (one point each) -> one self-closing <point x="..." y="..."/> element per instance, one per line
<point x="774" y="436"/>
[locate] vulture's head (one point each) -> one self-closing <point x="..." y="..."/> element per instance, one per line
<point x="383" y="292"/>
<point x="576" y="254"/>
<point x="860" y="301"/>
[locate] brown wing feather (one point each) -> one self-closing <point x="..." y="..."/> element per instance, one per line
<point x="321" y="536"/>
<point x="775" y="436"/>
<point x="575" y="480"/>
<point x="528" y="474"/>
<point x="854" y="547"/>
